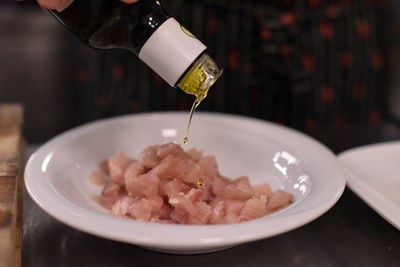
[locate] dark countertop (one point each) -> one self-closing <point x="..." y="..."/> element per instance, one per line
<point x="349" y="234"/>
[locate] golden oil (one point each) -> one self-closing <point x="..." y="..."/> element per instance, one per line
<point x="201" y="182"/>
<point x="194" y="106"/>
<point x="197" y="81"/>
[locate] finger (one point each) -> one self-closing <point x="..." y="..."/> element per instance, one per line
<point x="53" y="4"/>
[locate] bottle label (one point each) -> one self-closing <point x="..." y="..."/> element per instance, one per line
<point x="170" y="50"/>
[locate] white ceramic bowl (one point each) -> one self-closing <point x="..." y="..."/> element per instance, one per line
<point x="56" y="176"/>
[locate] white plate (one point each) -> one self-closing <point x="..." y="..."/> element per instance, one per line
<point x="373" y="173"/>
<point x="56" y="176"/>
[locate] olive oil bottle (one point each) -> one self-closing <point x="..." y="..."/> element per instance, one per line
<point x="147" y="30"/>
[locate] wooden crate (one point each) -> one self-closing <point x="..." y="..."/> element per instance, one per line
<point x="11" y="172"/>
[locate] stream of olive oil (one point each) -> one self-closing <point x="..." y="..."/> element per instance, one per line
<point x="194" y="106"/>
<point x="191" y="84"/>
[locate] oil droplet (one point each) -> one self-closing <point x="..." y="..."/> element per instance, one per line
<point x="194" y="106"/>
<point x="201" y="182"/>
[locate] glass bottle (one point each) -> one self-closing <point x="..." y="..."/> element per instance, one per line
<point x="146" y="29"/>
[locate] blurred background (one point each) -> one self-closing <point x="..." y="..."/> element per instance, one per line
<point x="329" y="68"/>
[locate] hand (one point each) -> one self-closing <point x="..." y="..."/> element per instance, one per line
<point x="57" y="4"/>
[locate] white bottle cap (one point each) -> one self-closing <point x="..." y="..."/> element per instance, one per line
<point x="170" y="50"/>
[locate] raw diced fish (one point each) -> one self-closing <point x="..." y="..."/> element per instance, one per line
<point x="148" y="158"/>
<point x="143" y="185"/>
<point x="121" y="207"/>
<point x="209" y="166"/>
<point x="171" y="149"/>
<point x="239" y="191"/>
<point x="181" y="202"/>
<point x="111" y="193"/>
<point x="97" y="178"/>
<point x="118" y="165"/>
<point x="254" y="208"/>
<point x="140" y="210"/>
<point x="179" y="168"/>
<point x="263" y="189"/>
<point x="168" y="185"/>
<point x="218" y="213"/>
<point x="202" y="214"/>
<point x="279" y="199"/>
<point x="195" y="154"/>
<point x="104" y="167"/>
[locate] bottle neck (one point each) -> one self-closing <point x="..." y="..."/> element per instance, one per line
<point x="200" y="77"/>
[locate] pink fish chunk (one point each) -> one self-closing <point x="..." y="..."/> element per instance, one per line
<point x="117" y="165"/>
